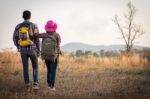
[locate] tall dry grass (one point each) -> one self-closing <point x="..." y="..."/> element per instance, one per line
<point x="78" y="76"/>
<point x="13" y="59"/>
<point x="133" y="61"/>
<point x="10" y="57"/>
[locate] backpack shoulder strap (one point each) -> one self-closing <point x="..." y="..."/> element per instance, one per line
<point x="54" y="34"/>
<point x="31" y="29"/>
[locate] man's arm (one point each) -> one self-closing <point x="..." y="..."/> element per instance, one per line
<point x="16" y="37"/>
<point x="36" y="39"/>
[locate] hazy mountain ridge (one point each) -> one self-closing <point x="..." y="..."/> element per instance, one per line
<point x="72" y="47"/>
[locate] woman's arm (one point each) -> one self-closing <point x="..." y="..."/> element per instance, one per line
<point x="58" y="38"/>
<point x="40" y="35"/>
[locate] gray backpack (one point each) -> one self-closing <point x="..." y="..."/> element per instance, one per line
<point x="49" y="49"/>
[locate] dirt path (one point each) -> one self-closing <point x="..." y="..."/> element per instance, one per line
<point x="92" y="84"/>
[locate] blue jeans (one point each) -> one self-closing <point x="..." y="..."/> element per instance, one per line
<point x="31" y="53"/>
<point x="51" y="71"/>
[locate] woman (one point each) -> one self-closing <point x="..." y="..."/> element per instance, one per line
<point x="50" y="51"/>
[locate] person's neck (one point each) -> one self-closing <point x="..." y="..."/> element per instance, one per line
<point x="50" y="32"/>
<point x="27" y="20"/>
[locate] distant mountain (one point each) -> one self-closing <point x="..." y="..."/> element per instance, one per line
<point x="72" y="47"/>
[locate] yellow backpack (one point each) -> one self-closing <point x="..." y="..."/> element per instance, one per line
<point x="25" y="31"/>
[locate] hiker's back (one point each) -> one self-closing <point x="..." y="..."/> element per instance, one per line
<point x="50" y="48"/>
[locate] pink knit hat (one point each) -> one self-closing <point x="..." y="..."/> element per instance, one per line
<point x="50" y="26"/>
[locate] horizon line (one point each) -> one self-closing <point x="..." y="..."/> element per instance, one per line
<point x="103" y="44"/>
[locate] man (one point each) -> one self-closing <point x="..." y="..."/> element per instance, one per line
<point x="28" y="44"/>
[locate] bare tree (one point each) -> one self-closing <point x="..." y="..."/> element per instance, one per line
<point x="130" y="31"/>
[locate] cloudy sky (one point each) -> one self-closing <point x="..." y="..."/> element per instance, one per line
<point x="86" y="21"/>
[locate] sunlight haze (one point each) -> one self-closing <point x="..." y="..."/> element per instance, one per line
<point x="86" y="21"/>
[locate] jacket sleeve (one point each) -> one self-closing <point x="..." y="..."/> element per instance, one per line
<point x="36" y="39"/>
<point x="40" y="35"/>
<point x="16" y="37"/>
<point x="58" y="38"/>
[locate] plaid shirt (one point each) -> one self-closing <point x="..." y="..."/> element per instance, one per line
<point x="36" y="40"/>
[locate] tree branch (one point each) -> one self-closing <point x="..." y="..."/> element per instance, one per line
<point x="116" y="20"/>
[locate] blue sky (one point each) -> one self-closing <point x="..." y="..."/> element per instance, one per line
<point x="86" y="21"/>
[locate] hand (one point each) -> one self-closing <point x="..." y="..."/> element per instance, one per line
<point x="60" y="52"/>
<point x="36" y="34"/>
<point x="38" y="53"/>
<point x="18" y="50"/>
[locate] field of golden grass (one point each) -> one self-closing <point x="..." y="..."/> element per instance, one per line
<point x="79" y="78"/>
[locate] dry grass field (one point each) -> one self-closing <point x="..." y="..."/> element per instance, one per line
<point x="79" y="78"/>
